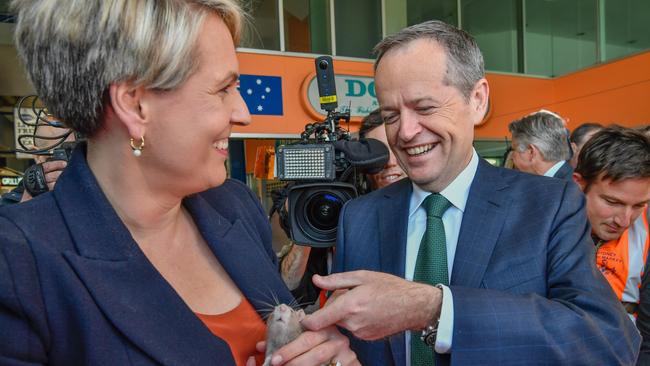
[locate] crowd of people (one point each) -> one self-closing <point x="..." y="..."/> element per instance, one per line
<point x="448" y="260"/>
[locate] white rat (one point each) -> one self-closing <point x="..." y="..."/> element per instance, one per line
<point x="282" y="327"/>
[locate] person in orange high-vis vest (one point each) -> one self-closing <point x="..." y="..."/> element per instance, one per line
<point x="623" y="261"/>
<point x="613" y="172"/>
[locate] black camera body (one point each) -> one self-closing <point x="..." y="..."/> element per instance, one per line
<point x="324" y="167"/>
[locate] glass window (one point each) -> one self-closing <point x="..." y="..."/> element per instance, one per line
<point x="358" y="27"/>
<point x="263" y="31"/>
<point x="626" y="27"/>
<point x="560" y="36"/>
<point x="395" y="17"/>
<point x="307" y="26"/>
<point x="419" y="11"/>
<point x="497" y="35"/>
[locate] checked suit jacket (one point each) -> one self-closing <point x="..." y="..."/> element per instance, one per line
<point x="524" y="283"/>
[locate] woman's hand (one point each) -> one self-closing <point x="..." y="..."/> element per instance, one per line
<point x="324" y="347"/>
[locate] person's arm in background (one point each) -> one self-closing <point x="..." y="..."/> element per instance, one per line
<point x="293" y="264"/>
<point x="51" y="170"/>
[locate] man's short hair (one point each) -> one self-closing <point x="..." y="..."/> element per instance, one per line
<point x="645" y="129"/>
<point x="73" y="50"/>
<point x="544" y="130"/>
<point x="615" y="153"/>
<point x="578" y="135"/>
<point x="465" y="65"/>
<point x="370" y="122"/>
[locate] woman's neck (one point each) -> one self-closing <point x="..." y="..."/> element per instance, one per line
<point x="142" y="203"/>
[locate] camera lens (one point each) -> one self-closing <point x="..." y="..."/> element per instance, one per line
<point x="314" y="211"/>
<point x="323" y="65"/>
<point x="322" y="211"/>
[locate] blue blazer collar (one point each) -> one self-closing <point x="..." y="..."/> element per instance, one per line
<point x="483" y="220"/>
<point x="393" y="226"/>
<point x="133" y="296"/>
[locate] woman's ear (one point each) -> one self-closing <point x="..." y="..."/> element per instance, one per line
<point x="126" y="102"/>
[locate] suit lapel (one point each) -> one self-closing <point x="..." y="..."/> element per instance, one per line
<point x="482" y="222"/>
<point x="393" y="224"/>
<point x="392" y="219"/>
<point x="133" y="296"/>
<point x="241" y="256"/>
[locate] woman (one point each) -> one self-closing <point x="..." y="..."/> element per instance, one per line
<point x="125" y="262"/>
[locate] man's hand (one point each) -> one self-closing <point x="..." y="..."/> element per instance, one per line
<point x="51" y="170"/>
<point x="375" y="305"/>
<point x="313" y="348"/>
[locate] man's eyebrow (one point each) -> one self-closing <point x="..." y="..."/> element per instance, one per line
<point x="423" y="99"/>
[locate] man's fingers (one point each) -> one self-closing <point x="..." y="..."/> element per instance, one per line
<point x="329" y="315"/>
<point x="341" y="280"/>
<point x="50" y="166"/>
<point x="52" y="176"/>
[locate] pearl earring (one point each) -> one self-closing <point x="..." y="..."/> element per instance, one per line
<point x="137" y="150"/>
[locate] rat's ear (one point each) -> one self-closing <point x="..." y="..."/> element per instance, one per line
<point x="301" y="315"/>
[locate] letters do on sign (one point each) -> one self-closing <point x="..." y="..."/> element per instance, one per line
<point x="356" y="93"/>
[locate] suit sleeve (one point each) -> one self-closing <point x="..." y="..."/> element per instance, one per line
<point x="579" y="321"/>
<point x="22" y="325"/>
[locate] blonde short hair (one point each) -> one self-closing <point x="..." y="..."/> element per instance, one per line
<point x="73" y="50"/>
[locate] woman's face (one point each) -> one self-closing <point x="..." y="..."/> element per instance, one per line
<point x="187" y="138"/>
<point x="391" y="172"/>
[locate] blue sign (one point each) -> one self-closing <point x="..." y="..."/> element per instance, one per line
<point x="262" y="94"/>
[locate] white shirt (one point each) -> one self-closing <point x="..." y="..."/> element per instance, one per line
<point x="457" y="193"/>
<point x="551" y="172"/>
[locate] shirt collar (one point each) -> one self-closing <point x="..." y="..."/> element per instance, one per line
<point x="551" y="172"/>
<point x="456" y="192"/>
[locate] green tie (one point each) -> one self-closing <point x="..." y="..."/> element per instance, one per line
<point x="430" y="266"/>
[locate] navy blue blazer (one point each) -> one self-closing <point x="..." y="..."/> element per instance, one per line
<point x="565" y="172"/>
<point x="75" y="289"/>
<point x="525" y="286"/>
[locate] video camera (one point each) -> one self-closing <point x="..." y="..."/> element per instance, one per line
<point x="324" y="167"/>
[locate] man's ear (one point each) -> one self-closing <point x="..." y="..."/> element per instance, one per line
<point x="535" y="154"/>
<point x="580" y="181"/>
<point x="126" y="102"/>
<point x="479" y="100"/>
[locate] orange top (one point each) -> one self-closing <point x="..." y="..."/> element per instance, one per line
<point x="613" y="258"/>
<point x="241" y="328"/>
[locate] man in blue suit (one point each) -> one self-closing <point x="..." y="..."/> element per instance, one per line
<point x="540" y="145"/>
<point x="517" y="282"/>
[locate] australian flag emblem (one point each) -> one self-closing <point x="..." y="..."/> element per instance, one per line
<point x="262" y="94"/>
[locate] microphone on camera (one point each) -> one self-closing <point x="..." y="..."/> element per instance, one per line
<point x="369" y="155"/>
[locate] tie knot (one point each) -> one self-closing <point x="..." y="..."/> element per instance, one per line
<point x="436" y="205"/>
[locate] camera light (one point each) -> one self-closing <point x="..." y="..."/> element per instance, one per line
<point x="306" y="162"/>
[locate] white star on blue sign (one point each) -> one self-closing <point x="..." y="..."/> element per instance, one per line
<point x="263" y="94"/>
